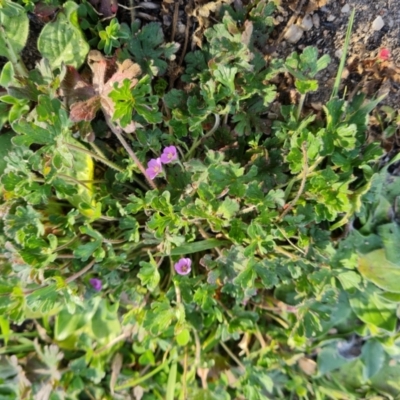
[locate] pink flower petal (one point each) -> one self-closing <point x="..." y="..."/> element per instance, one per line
<point x="183" y="266"/>
<point x="154" y="167"/>
<point x="169" y="154"/>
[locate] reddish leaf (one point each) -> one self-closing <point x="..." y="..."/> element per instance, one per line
<point x="85" y="110"/>
<point x="74" y="88"/>
<point x="45" y="12"/>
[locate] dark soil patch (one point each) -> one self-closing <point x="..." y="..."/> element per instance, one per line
<point x="328" y="31"/>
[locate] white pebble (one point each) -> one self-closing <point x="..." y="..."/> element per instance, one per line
<point x="181" y="28"/>
<point x="315" y="20"/>
<point x="378" y="23"/>
<point x="330" y="18"/>
<point x="339" y="53"/>
<point x="345" y="9"/>
<point x="307" y="22"/>
<point x="293" y="34"/>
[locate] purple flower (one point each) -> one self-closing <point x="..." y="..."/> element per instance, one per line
<point x="96" y="284"/>
<point x="183" y="266"/>
<point x="154" y="167"/>
<point x="169" y="154"/>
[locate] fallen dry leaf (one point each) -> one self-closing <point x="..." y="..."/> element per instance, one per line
<point x="248" y="31"/>
<point x="86" y="99"/>
<point x="307" y="365"/>
<point x="115" y="370"/>
<point x="314" y="5"/>
<point x="202" y="12"/>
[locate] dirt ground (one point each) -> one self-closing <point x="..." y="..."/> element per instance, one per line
<point x="320" y="23"/>
<point x="327" y="31"/>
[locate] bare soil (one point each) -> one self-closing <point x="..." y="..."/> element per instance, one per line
<point x="328" y="35"/>
<point x="181" y="22"/>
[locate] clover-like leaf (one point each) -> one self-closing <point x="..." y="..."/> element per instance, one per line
<point x="376" y="268"/>
<point x="14" y="30"/>
<point x="62" y="40"/>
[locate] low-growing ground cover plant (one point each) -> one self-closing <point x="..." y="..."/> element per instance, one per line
<point x="204" y="241"/>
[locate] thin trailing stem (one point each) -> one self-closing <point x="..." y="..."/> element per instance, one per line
<point x="198" y="348"/>
<point x="290" y="242"/>
<point x="300" y="106"/>
<point x="237" y="361"/>
<point x="302" y="184"/>
<point x="175" y="21"/>
<point x="81" y="272"/>
<point x="280" y="250"/>
<point x="68" y="280"/>
<point x="178" y="294"/>
<point x="189" y="7"/>
<point x="66" y="256"/>
<point x="132" y="10"/>
<point x="136" y="381"/>
<point x="300" y="176"/>
<point x="117" y="133"/>
<point x="72" y="179"/>
<point x="200" y="139"/>
<point x="95" y="156"/>
<point x="116" y="340"/>
<point x="184" y="376"/>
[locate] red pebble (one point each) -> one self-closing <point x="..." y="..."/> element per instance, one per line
<point x="384" y="54"/>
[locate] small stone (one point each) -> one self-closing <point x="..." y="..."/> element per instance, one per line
<point x="378" y="23"/>
<point x="307" y="22"/>
<point x="345" y="73"/>
<point x="339" y="53"/>
<point x="167" y="20"/>
<point x="283" y="11"/>
<point x="330" y="18"/>
<point x="315" y="20"/>
<point x="345" y="9"/>
<point x="294" y="34"/>
<point x="316" y="106"/>
<point x="181" y="28"/>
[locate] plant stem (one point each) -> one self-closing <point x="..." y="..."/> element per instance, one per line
<point x="95" y="156"/>
<point x="81" y="272"/>
<point x="111" y="343"/>
<point x="198" y="349"/>
<point x="184" y="376"/>
<point x="117" y="133"/>
<point x="300" y="106"/>
<point x="16" y="61"/>
<point x="72" y="179"/>
<point x="200" y="139"/>
<point x="302" y="184"/>
<point x="137" y="381"/>
<point x="237" y="361"/>
<point x="134" y="178"/>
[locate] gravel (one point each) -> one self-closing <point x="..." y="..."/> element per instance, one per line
<point x="376" y="26"/>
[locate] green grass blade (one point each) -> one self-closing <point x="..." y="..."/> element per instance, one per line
<point x="344" y="55"/>
<point x="197" y="247"/>
<point x="171" y="381"/>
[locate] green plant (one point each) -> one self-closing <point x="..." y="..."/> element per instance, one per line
<point x="109" y="38"/>
<point x="216" y="271"/>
